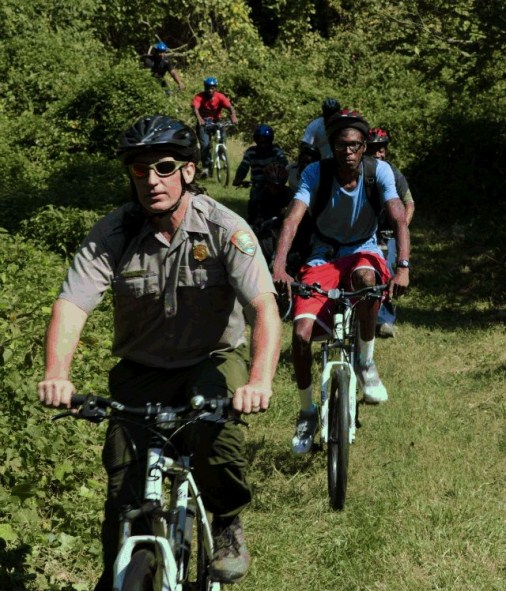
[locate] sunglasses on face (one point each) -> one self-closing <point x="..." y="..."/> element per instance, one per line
<point x="140" y="170"/>
<point x="354" y="147"/>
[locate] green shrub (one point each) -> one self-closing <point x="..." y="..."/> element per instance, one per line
<point x="60" y="229"/>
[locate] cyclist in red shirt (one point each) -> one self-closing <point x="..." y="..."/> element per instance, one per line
<point x="207" y="107"/>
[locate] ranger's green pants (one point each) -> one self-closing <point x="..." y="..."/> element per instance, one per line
<point x="218" y="458"/>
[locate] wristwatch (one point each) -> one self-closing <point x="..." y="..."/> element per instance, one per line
<point x="403" y="264"/>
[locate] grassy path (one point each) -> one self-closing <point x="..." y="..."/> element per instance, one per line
<point x="425" y="506"/>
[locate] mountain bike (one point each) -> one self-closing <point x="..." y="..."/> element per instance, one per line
<point x="162" y="560"/>
<point x="338" y="392"/>
<point x="218" y="139"/>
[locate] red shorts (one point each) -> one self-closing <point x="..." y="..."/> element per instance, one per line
<point x="331" y="275"/>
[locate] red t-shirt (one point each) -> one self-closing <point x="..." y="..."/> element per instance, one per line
<point x="210" y="107"/>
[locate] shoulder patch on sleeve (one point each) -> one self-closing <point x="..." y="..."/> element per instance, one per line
<point x="244" y="241"/>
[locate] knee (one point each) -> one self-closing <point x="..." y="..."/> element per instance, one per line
<point x="363" y="278"/>
<point x="302" y="335"/>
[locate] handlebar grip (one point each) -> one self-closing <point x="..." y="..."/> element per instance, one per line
<point x="77" y="400"/>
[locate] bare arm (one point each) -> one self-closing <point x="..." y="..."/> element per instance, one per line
<point x="262" y="314"/>
<point x="197" y="115"/>
<point x="62" y="337"/>
<point x="410" y="210"/>
<point x="294" y="215"/>
<point x="233" y="115"/>
<point x="397" y="216"/>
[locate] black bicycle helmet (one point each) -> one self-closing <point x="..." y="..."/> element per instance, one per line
<point x="263" y="131"/>
<point x="160" y="132"/>
<point x="378" y="136"/>
<point x="329" y="107"/>
<point x="343" y="119"/>
<point x="311" y="150"/>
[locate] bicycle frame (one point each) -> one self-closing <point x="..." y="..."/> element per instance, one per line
<point x="184" y="488"/>
<point x="343" y="338"/>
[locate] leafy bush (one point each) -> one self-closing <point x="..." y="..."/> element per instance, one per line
<point x="41" y="481"/>
<point x="61" y="229"/>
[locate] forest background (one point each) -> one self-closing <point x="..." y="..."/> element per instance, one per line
<point x="432" y="73"/>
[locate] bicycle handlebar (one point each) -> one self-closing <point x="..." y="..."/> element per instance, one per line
<point x="211" y="125"/>
<point x="304" y="290"/>
<point x="94" y="408"/>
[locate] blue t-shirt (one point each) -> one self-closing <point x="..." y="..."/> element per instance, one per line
<point x="348" y="216"/>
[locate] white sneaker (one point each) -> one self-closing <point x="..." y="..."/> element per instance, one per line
<point x="307" y="422"/>
<point x="385" y="330"/>
<point x="372" y="386"/>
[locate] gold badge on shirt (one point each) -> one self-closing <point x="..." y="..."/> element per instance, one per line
<point x="200" y="252"/>
<point x="243" y="240"/>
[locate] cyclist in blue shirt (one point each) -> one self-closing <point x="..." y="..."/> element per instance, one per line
<point x="344" y="251"/>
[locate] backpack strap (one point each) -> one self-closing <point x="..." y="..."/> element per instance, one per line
<point x="371" y="188"/>
<point x="325" y="187"/>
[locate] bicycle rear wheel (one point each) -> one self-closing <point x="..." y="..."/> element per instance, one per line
<point x="222" y="167"/>
<point x="140" y="573"/>
<point x="339" y="442"/>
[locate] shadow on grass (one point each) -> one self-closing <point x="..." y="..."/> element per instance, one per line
<point x="13" y="571"/>
<point x="450" y="318"/>
<point x="270" y="460"/>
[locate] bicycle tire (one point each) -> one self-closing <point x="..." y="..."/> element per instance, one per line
<point x="339" y="443"/>
<point x="222" y="167"/>
<point x="140" y="573"/>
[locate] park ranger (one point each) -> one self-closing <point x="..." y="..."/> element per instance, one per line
<point x="184" y="271"/>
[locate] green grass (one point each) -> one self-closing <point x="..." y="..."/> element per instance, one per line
<point x="425" y="505"/>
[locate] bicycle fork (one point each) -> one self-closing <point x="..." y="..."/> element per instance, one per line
<point x="167" y="572"/>
<point x="342" y="325"/>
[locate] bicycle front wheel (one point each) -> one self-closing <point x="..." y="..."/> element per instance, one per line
<point x="339" y="442"/>
<point x="222" y="167"/>
<point x="140" y="573"/>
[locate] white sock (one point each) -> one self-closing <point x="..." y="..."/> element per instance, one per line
<point x="365" y="352"/>
<point x="305" y="398"/>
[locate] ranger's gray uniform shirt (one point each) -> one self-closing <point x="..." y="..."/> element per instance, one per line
<point x="174" y="305"/>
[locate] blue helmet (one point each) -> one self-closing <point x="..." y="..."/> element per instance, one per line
<point x="210" y="81"/>
<point x="264" y="131"/>
<point x="160" y="47"/>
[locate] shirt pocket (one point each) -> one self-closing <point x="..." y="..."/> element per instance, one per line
<point x="202" y="277"/>
<point x="137" y="286"/>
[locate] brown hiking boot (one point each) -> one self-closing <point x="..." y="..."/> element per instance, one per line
<point x="231" y="557"/>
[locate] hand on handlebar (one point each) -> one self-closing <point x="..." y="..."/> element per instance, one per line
<point x="252" y="398"/>
<point x="282" y="280"/>
<point x="56" y="392"/>
<point x="398" y="284"/>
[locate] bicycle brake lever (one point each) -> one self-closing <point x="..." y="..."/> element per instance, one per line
<point x="61" y="415"/>
<point x="92" y="413"/>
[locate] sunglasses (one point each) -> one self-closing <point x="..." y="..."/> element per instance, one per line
<point x="140" y="170"/>
<point x="354" y="147"/>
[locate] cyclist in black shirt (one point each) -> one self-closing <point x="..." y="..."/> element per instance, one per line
<point x="160" y="65"/>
